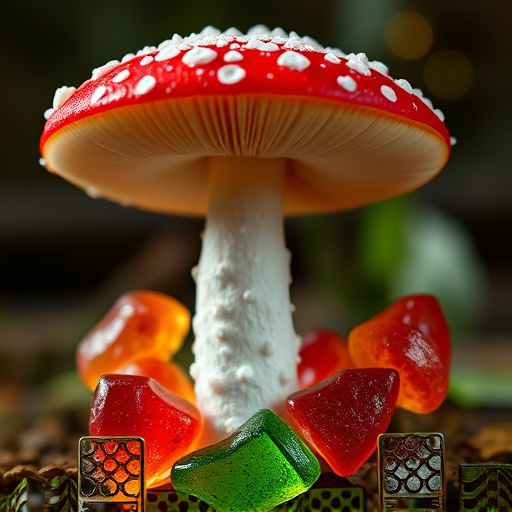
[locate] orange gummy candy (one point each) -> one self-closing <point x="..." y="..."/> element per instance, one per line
<point x="423" y="376"/>
<point x="171" y="376"/>
<point x="140" y="325"/>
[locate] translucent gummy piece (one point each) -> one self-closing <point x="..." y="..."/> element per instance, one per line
<point x="263" y="464"/>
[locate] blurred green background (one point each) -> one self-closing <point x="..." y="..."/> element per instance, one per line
<point x="65" y="257"/>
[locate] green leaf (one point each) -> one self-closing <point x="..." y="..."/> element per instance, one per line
<point x="17" y="500"/>
<point x="473" y="387"/>
<point x="60" y="494"/>
<point x="381" y="239"/>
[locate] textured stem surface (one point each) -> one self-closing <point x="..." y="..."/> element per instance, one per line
<point x="245" y="345"/>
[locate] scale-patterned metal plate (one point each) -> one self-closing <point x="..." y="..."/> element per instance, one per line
<point x="411" y="470"/>
<point x="111" y="470"/>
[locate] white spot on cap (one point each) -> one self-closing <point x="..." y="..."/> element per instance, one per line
<point x="379" y="66"/>
<point x="166" y="53"/>
<point x="309" y="41"/>
<point x="97" y="72"/>
<point x="233" y="31"/>
<point x="199" y="56"/>
<point x="330" y="57"/>
<point x="233" y="56"/>
<point x="427" y="102"/>
<point x="293" y="60"/>
<point x="146" y="60"/>
<point x="127" y="57"/>
<point x="145" y="84"/>
<point x="419" y="93"/>
<point x="42" y="162"/>
<point x="404" y="84"/>
<point x="98" y="94"/>
<point x="146" y="50"/>
<point x="347" y="83"/>
<point x="388" y="93"/>
<point x="439" y="114"/>
<point x="230" y="74"/>
<point x="257" y="44"/>
<point x="210" y="31"/>
<point x="453" y="141"/>
<point x="259" y="31"/>
<point x="336" y="51"/>
<point x="359" y="63"/>
<point x="176" y="39"/>
<point x="62" y="94"/>
<point x="48" y="112"/>
<point x="122" y="75"/>
<point x="165" y="43"/>
<point x="278" y="32"/>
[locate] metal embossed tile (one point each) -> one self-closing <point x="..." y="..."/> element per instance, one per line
<point x="111" y="471"/>
<point x="340" y="499"/>
<point x="169" y="500"/>
<point x="485" y="487"/>
<point x="411" y="471"/>
<point x="348" y="499"/>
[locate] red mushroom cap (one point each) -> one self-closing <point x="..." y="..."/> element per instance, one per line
<point x="142" y="131"/>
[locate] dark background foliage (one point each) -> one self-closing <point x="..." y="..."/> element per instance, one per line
<point x="64" y="258"/>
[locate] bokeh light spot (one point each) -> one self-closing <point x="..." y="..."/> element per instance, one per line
<point x="448" y="74"/>
<point x="409" y="34"/>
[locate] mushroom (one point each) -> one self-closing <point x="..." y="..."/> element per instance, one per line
<point x="243" y="128"/>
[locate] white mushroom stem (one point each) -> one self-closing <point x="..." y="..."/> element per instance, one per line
<point x="245" y="345"/>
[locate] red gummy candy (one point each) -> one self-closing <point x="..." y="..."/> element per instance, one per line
<point x="341" y="418"/>
<point x="323" y="354"/>
<point x="139" y="325"/>
<point x="169" y="375"/>
<point x="391" y="344"/>
<point x="423" y="313"/>
<point x="130" y="405"/>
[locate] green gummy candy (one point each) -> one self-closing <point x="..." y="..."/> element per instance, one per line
<point x="264" y="463"/>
